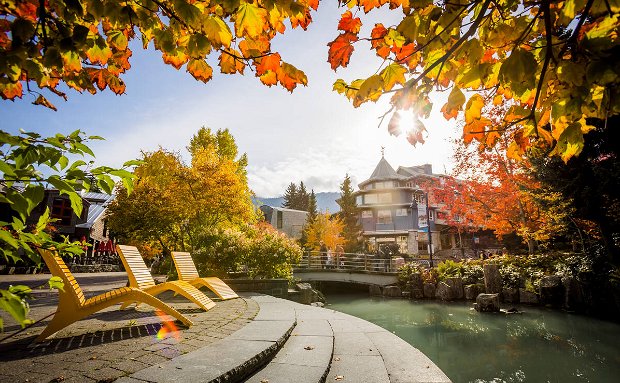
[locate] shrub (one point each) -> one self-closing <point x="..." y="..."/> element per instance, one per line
<point x="405" y="272"/>
<point x="473" y="273"/>
<point x="449" y="269"/>
<point x="511" y="276"/>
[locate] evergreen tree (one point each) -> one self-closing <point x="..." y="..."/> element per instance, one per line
<point x="349" y="215"/>
<point x="303" y="197"/>
<point x="312" y="209"/>
<point x="290" y="196"/>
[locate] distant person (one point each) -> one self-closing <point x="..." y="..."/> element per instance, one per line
<point x="323" y="254"/>
<point x="330" y="259"/>
<point x="339" y="256"/>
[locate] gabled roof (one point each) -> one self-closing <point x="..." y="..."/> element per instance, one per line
<point x="383" y="172"/>
<point x="98" y="205"/>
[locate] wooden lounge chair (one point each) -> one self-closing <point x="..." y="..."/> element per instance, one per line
<point x="187" y="272"/>
<point x="72" y="306"/>
<point x="141" y="278"/>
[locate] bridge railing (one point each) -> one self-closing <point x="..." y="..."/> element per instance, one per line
<point x="349" y="262"/>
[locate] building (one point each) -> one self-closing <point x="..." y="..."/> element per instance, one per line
<point x="393" y="210"/>
<point x="287" y="221"/>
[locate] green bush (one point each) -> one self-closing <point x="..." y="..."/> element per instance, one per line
<point x="259" y="250"/>
<point x="449" y="269"/>
<point x="405" y="272"/>
<point x="473" y="272"/>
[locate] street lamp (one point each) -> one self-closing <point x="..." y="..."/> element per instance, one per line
<point x="428" y="227"/>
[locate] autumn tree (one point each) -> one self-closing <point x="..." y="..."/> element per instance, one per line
<point x="551" y="63"/>
<point x="86" y="45"/>
<point x="493" y="191"/>
<point x="349" y="214"/>
<point x="327" y="229"/>
<point x="223" y="143"/>
<point x="173" y="202"/>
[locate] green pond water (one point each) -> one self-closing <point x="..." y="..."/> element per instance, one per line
<point x="538" y="345"/>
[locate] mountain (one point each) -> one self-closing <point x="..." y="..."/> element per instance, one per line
<point x="324" y="201"/>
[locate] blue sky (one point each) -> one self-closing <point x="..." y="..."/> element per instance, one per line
<point x="313" y="135"/>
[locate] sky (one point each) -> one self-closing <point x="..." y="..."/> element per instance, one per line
<point x="313" y="135"/>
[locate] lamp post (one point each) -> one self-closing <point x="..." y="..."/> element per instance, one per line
<point x="428" y="227"/>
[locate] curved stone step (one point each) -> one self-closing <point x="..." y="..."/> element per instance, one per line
<point x="233" y="358"/>
<point x="304" y="358"/>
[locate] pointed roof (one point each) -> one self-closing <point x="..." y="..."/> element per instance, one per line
<point x="383" y="172"/>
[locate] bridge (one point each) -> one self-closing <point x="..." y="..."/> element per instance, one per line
<point x="366" y="269"/>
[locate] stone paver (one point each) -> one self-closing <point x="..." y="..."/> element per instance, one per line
<point x="273" y="339"/>
<point x="111" y="343"/>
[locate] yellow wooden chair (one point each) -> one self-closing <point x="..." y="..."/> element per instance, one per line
<point x="141" y="278"/>
<point x="187" y="272"/>
<point x="72" y="306"/>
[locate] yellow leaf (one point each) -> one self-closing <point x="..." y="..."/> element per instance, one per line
<point x="393" y="74"/>
<point x="71" y="61"/>
<point x="217" y="31"/>
<point x="200" y="70"/>
<point x="370" y="89"/>
<point x="250" y="20"/>
<point x="473" y="109"/>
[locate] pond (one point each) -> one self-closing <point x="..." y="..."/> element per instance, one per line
<point x="538" y="345"/>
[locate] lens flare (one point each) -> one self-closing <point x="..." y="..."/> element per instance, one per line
<point x="167" y="327"/>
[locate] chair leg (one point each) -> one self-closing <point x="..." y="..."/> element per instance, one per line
<point x="188" y="291"/>
<point x="58" y="322"/>
<point x="150" y="300"/>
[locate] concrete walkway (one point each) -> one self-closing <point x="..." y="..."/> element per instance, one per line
<point x="256" y="339"/>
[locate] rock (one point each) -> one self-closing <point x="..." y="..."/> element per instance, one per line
<point x="444" y="292"/>
<point x="306" y="294"/>
<point x="528" y="297"/>
<point x="492" y="279"/>
<point x="416" y="282"/>
<point x="487" y="303"/>
<point x="392" y="291"/>
<point x="551" y="291"/>
<point x="573" y="299"/>
<point x="456" y="287"/>
<point x="429" y="290"/>
<point x="510" y="295"/>
<point x="472" y="291"/>
<point x="417" y="293"/>
<point x="375" y="290"/>
<point x="317" y="304"/>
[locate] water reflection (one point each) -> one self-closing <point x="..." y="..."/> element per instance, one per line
<point x="537" y="345"/>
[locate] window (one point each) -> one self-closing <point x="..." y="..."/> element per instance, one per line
<point x="401" y="240"/>
<point x="384" y="217"/>
<point x="61" y="210"/>
<point x="384" y="185"/>
<point x="279" y="220"/>
<point x="385" y="197"/>
<point x="359" y="200"/>
<point x="402" y="212"/>
<point x="367" y="214"/>
<point x="418" y="197"/>
<point x="370" y="198"/>
<point x="431" y="215"/>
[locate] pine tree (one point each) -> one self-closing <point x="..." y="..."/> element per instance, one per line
<point x="290" y="196"/>
<point x="303" y="197"/>
<point x="349" y="215"/>
<point x="312" y="209"/>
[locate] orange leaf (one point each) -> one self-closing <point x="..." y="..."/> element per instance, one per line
<point x="10" y="90"/>
<point x="269" y="78"/>
<point x="475" y="130"/>
<point x="302" y="19"/>
<point x="230" y="64"/>
<point x="289" y="77"/>
<point x="98" y="76"/>
<point x="349" y="24"/>
<point x="370" y="4"/>
<point x="394" y="125"/>
<point x="44" y="101"/>
<point x="176" y="58"/>
<point x="200" y="70"/>
<point x="404" y="55"/>
<point x="115" y="84"/>
<point x="340" y="50"/>
<point x="268" y="63"/>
